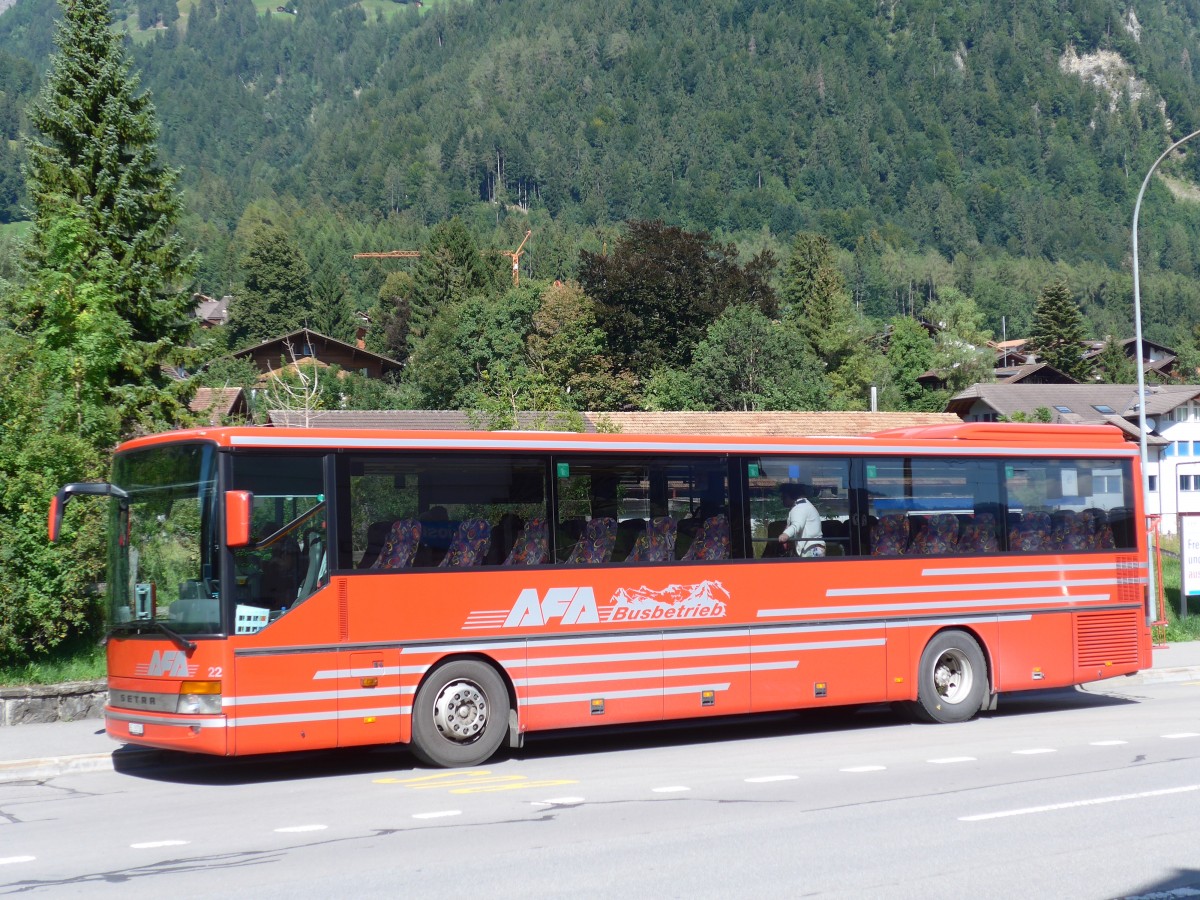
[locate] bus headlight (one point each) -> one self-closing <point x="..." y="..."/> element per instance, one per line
<point x="199" y="698"/>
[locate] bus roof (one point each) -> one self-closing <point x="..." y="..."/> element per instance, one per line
<point x="969" y="437"/>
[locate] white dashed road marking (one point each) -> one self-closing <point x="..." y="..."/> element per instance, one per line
<point x="558" y="801"/>
<point x="767" y="779"/>
<point x="297" y="829"/>
<point x="6" y="860"/>
<point x="1182" y="734"/>
<point x="1033" y="751"/>
<point x="671" y="789"/>
<point x="440" y="814"/>
<point x="1095" y="801"/>
<point x="154" y="845"/>
<point x="1108" y="743"/>
<point x="863" y="769"/>
<point x="951" y="759"/>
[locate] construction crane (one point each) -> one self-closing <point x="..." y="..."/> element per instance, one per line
<point x="389" y="254"/>
<point x="516" y="258"/>
<point x="514" y="255"/>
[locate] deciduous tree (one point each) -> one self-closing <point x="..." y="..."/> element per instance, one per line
<point x="661" y="287"/>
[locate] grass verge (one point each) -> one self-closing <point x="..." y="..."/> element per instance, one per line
<point x="84" y="665"/>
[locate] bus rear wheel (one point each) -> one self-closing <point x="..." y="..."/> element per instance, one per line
<point x="952" y="679"/>
<point x="460" y="715"/>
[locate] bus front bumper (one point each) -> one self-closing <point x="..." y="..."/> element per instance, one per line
<point x="191" y="734"/>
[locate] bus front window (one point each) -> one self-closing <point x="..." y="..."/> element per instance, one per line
<point x="163" y="552"/>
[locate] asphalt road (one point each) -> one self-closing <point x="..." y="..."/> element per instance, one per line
<point x="1086" y="793"/>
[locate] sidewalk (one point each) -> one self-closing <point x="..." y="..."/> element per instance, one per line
<point x="34" y="752"/>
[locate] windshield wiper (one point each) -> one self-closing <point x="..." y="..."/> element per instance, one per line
<point x="180" y="641"/>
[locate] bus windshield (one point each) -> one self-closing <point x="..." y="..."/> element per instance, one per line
<point x="163" y="547"/>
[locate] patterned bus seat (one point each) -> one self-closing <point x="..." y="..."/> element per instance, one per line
<point x="1036" y="534"/>
<point x="656" y="543"/>
<point x="596" y="544"/>
<point x="712" y="540"/>
<point x="400" y="546"/>
<point x="1099" y="532"/>
<point x="979" y="534"/>
<point x="889" y="535"/>
<point x="940" y="535"/>
<point x="532" y="546"/>
<point x="470" y="545"/>
<point x="1070" y="531"/>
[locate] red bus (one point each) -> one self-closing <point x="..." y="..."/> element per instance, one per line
<point x="274" y="589"/>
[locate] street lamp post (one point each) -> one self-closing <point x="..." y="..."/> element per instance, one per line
<point x="1152" y="584"/>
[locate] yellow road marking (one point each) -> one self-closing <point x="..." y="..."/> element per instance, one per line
<point x="441" y="777"/>
<point x="468" y="781"/>
<point x="511" y="787"/>
<point x="480" y="781"/>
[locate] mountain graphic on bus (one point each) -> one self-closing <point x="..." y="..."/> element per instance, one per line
<point x="705" y="600"/>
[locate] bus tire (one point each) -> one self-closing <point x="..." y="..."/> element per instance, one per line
<point x="952" y="680"/>
<point x="460" y="715"/>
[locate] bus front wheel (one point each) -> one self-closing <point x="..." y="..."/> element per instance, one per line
<point x="952" y="678"/>
<point x="460" y="715"/>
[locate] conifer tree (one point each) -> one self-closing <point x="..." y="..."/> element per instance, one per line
<point x="275" y="298"/>
<point x="85" y="339"/>
<point x="1113" y="366"/>
<point x="96" y="162"/>
<point x="1058" y="330"/>
<point x="816" y="302"/>
<point x="451" y="270"/>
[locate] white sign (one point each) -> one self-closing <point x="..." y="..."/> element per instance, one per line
<point x="1189" y="553"/>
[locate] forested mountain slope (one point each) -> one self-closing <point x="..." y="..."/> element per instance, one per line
<point x="934" y="143"/>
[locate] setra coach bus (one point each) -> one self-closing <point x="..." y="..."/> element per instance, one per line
<point x="276" y="589"/>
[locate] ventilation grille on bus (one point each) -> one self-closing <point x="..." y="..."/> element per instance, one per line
<point x="343" y="596"/>
<point x="1106" y="637"/>
<point x="1131" y="580"/>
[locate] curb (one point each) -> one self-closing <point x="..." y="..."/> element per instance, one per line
<point x="81" y="764"/>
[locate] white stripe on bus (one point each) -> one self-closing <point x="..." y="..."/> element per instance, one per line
<point x="1004" y="570"/>
<point x="330" y="715"/>
<point x="302" y="696"/>
<point x="1070" y="599"/>
<point x="602" y="677"/>
<point x="368" y="672"/>
<point x="976" y="586"/>
<point x="622" y="695"/>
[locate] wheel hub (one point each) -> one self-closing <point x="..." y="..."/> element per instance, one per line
<point x="953" y="676"/>
<point x="460" y="711"/>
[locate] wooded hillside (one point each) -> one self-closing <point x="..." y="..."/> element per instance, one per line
<point x="935" y="144"/>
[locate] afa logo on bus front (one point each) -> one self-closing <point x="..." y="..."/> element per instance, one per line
<point x="577" y="606"/>
<point x="173" y="663"/>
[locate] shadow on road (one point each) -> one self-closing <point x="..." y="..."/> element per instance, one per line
<point x="184" y="768"/>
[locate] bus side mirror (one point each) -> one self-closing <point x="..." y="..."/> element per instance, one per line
<point x="56" y="510"/>
<point x="238" y="505"/>
<point x="59" y="503"/>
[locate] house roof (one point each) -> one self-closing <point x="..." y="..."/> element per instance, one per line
<point x="213" y="311"/>
<point x="1076" y="403"/>
<point x="307" y="335"/>
<point x="217" y="404"/>
<point x="1043" y="371"/>
<point x="732" y="423"/>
